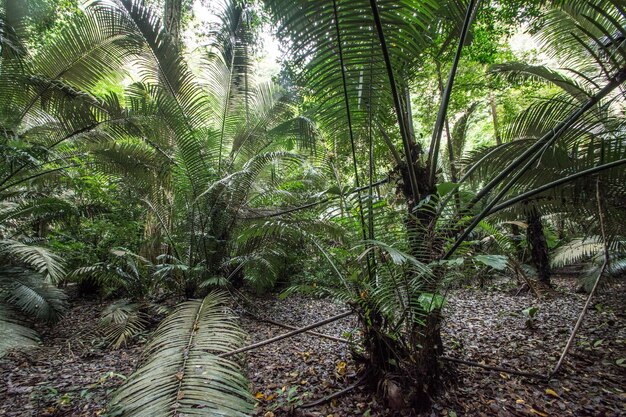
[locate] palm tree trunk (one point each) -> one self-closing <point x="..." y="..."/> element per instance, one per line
<point x="538" y="247"/>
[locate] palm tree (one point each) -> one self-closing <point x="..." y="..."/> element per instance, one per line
<point x="356" y="59"/>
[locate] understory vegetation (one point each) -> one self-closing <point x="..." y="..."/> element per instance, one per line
<point x="178" y="160"/>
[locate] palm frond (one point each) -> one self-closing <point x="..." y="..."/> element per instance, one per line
<point x="16" y="333"/>
<point x="518" y="71"/>
<point x="121" y="321"/>
<point x="180" y="372"/>
<point x="28" y="292"/>
<point x="580" y="249"/>
<point x="38" y="258"/>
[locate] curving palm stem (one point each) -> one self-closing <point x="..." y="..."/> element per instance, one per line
<point x="445" y="98"/>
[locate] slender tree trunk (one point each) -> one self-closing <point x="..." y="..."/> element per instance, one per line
<point x="517" y="241"/>
<point x="538" y="247"/>
<point x="494" y="116"/>
<point x="40" y="227"/>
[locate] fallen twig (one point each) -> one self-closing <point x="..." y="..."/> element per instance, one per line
<point x="286" y="326"/>
<point x="286" y="335"/>
<point x="495" y="368"/>
<point x="605" y="264"/>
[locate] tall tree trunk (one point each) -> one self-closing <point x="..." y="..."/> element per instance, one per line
<point x="538" y="246"/>
<point x="172" y="17"/>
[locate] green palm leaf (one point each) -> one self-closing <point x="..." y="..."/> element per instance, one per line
<point x="519" y="71"/>
<point x="38" y="258"/>
<point x="180" y="373"/>
<point x="27" y="292"/>
<point x="122" y="321"/>
<point x="15" y="333"/>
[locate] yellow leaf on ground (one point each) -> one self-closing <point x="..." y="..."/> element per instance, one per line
<point x="520" y="401"/>
<point x="539" y="413"/>
<point x="341" y="368"/>
<point x="259" y="395"/>
<point x="551" y="392"/>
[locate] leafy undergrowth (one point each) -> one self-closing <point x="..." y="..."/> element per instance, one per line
<point x="73" y="374"/>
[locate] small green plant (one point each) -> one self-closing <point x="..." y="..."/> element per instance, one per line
<point x="287" y="398"/>
<point x="530" y="313"/>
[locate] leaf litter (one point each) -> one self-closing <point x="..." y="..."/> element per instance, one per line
<point x="73" y="373"/>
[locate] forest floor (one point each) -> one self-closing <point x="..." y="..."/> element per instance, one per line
<point x="73" y="373"/>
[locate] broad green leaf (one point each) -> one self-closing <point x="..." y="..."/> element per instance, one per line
<point x="497" y="262"/>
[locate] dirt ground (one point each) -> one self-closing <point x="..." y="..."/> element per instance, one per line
<point x="73" y="373"/>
